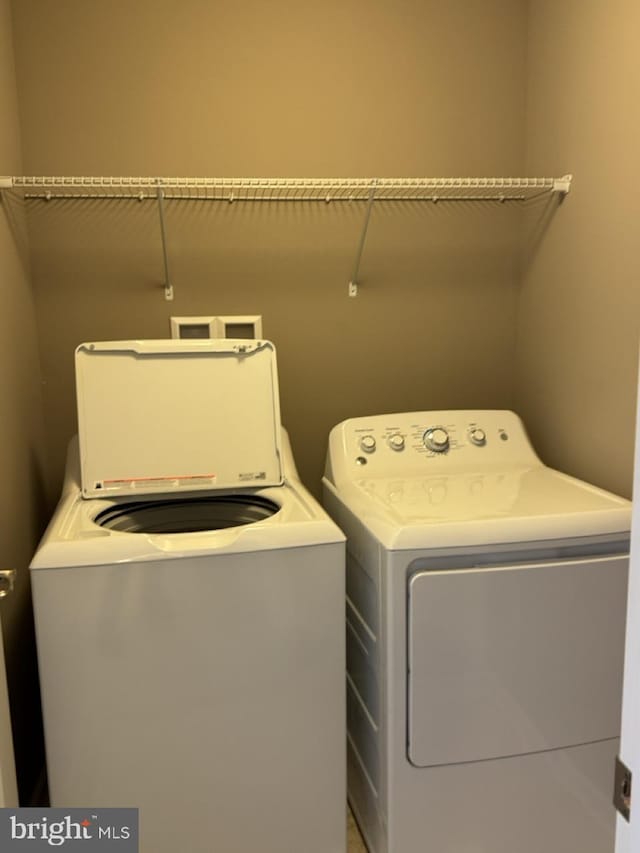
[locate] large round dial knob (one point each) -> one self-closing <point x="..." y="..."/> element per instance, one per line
<point x="477" y="436"/>
<point x="436" y="439"/>
<point x="396" y="441"/>
<point x="367" y="443"/>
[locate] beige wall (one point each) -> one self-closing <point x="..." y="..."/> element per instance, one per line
<point x="21" y="435"/>
<point x="346" y="88"/>
<point x="579" y="312"/>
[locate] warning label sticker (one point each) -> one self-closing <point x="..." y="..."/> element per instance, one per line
<point x="244" y="476"/>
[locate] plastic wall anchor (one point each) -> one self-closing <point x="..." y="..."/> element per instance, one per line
<point x="168" y="292"/>
<point x="353" y="288"/>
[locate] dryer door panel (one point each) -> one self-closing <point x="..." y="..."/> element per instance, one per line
<point x="514" y="659"/>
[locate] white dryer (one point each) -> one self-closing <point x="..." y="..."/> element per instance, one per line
<point x="189" y="605"/>
<point x="486" y="598"/>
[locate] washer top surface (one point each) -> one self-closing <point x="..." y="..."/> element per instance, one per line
<point x="440" y="479"/>
<point x="125" y="529"/>
<point x="177" y="416"/>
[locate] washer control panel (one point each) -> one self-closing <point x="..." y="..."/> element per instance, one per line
<point x="419" y="442"/>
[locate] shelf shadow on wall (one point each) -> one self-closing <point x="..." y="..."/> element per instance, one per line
<point x="539" y="213"/>
<point x="14" y="207"/>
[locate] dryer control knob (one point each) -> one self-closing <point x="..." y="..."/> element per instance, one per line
<point x="478" y="436"/>
<point x="367" y="443"/>
<point x="436" y="439"/>
<point x="396" y="441"/>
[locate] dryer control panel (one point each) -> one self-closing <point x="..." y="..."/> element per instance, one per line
<point x="414" y="443"/>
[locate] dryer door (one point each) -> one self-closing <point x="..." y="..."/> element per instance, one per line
<point x="516" y="659"/>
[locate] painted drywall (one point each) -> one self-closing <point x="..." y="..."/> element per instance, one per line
<point x="345" y="88"/>
<point x="22" y="497"/>
<point x="579" y="312"/>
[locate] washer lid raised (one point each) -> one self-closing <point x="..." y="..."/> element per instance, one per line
<point x="177" y="416"/>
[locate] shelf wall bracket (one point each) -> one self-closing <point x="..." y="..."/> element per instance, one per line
<point x="353" y="283"/>
<point x="562" y="185"/>
<point x="168" y="287"/>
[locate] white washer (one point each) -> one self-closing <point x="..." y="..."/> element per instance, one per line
<point x="486" y="598"/>
<point x="189" y="605"/>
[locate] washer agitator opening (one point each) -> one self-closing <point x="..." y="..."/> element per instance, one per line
<point x="192" y="515"/>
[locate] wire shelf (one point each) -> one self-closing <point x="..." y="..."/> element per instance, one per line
<point x="301" y="190"/>
<point x="288" y="189"/>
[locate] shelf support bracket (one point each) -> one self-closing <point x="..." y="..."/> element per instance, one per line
<point x="168" y="287"/>
<point x="353" y="283"/>
<point x="562" y="185"/>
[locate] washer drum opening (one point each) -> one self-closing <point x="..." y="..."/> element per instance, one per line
<point x="187" y="515"/>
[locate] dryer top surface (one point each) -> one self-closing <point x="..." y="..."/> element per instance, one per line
<point x="486" y="485"/>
